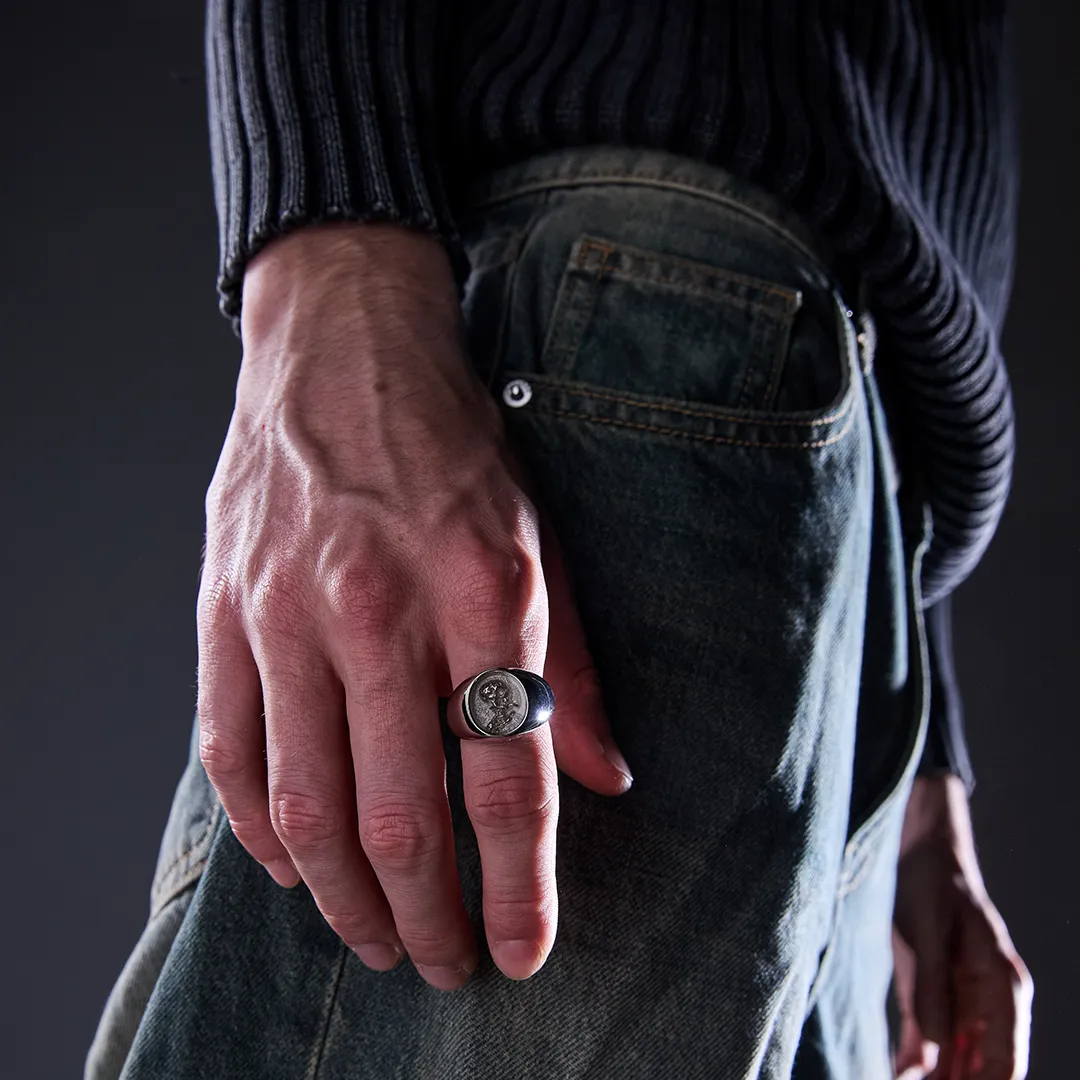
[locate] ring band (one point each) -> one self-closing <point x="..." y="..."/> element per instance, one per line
<point x="498" y="703"/>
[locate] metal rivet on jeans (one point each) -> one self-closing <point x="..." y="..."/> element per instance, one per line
<point x="517" y="393"/>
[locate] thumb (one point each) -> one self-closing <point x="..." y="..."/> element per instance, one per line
<point x="580" y="730"/>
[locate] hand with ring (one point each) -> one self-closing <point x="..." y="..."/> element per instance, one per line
<point x="373" y="546"/>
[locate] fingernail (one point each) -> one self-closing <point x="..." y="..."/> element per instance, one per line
<point x="379" y="955"/>
<point x="611" y="752"/>
<point x="445" y="978"/>
<point x="283" y="872"/>
<point x="517" y="959"/>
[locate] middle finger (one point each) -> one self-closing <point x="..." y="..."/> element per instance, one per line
<point x="404" y="815"/>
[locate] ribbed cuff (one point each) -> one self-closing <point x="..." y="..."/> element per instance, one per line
<point x="946" y="747"/>
<point x="322" y="110"/>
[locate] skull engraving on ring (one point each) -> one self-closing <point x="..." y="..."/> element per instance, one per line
<point x="498" y="703"/>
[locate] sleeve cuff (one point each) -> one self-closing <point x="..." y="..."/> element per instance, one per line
<point x="322" y="111"/>
<point x="946" y="747"/>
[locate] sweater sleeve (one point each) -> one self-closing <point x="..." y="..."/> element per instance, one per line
<point x="323" y="110"/>
<point x="946" y="747"/>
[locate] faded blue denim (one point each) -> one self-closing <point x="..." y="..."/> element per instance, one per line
<point x="681" y="373"/>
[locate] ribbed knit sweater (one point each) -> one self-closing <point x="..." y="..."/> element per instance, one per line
<point x="888" y="125"/>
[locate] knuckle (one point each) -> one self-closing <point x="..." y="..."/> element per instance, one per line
<point x="527" y="917"/>
<point x="1023" y="984"/>
<point x="371" y="596"/>
<point x="222" y="757"/>
<point x="304" y="820"/>
<point x="586" y="689"/>
<point x="256" y="836"/>
<point x="353" y="927"/>
<point x="280" y="598"/>
<point x="513" y="801"/>
<point x="218" y="602"/>
<point x="494" y="588"/>
<point x="400" y="834"/>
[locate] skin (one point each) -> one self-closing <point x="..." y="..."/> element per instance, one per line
<point x="964" y="993"/>
<point x="371" y="543"/>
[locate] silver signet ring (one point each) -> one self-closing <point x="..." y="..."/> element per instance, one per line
<point x="498" y="703"/>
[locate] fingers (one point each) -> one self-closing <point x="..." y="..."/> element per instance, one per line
<point x="512" y="796"/>
<point x="993" y="997"/>
<point x="915" y="1056"/>
<point x="313" y="802"/>
<point x="232" y="740"/>
<point x="933" y="998"/>
<point x="973" y="995"/>
<point x="510" y="784"/>
<point x="403" y="815"/>
<point x="580" y="729"/>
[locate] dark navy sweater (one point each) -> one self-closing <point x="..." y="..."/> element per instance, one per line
<point x="887" y="124"/>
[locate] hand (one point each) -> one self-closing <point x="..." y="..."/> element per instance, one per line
<point x="963" y="992"/>
<point x="371" y="542"/>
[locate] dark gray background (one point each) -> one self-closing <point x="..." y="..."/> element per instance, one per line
<point x="118" y="382"/>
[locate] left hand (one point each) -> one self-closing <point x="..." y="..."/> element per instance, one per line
<point x="960" y="982"/>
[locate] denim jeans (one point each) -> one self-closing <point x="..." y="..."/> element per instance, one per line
<point x="688" y="377"/>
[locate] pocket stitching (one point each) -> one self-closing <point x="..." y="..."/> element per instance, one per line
<point x="571" y="316"/>
<point x="790" y="297"/>
<point x="564" y="339"/>
<point x="166" y="886"/>
<point x="705" y="412"/>
<point x="832" y="439"/>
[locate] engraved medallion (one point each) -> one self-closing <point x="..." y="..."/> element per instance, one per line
<point x="498" y="703"/>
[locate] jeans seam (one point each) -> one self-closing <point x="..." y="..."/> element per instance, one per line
<point x="875" y="822"/>
<point x="790" y="297"/>
<point x="705" y="412"/>
<point x="518" y="246"/>
<point x="319" y="1052"/>
<point x="644" y="179"/>
<point x="165" y="886"/>
<point x="873" y="825"/>
<point x="830" y="441"/>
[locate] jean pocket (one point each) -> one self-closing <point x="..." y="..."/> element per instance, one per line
<point x="675" y="325"/>
<point x="660" y="341"/>
<point x="189" y="832"/>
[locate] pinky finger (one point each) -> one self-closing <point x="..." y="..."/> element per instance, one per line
<point x="232" y="746"/>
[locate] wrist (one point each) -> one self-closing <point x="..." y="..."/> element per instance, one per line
<point x="342" y="323"/>
<point x="379" y="276"/>
<point x="935" y="807"/>
<point x="937" y="822"/>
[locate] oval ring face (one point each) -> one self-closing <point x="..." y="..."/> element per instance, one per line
<point x="498" y="703"/>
